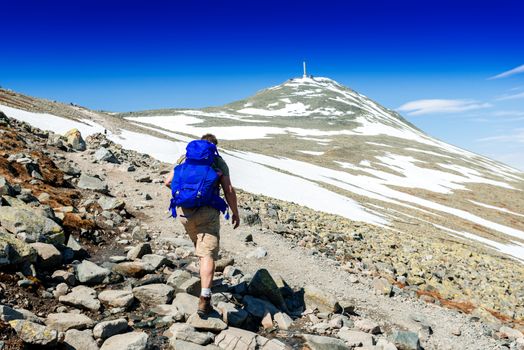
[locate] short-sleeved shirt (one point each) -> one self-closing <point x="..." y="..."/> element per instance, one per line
<point x="219" y="164"/>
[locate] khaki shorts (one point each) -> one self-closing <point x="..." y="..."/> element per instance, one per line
<point x="203" y="227"/>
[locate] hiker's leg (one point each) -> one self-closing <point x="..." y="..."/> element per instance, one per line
<point x="207" y="270"/>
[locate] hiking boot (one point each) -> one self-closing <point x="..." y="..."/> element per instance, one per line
<point x="204" y="305"/>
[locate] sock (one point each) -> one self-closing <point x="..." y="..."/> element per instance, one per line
<point x="206" y="292"/>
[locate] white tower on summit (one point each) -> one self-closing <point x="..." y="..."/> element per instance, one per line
<point x="305" y="74"/>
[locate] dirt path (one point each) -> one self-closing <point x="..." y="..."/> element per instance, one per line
<point x="297" y="266"/>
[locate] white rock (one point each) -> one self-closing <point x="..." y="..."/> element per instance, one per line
<point x="117" y="298"/>
<point x="106" y="329"/>
<point x="126" y="341"/>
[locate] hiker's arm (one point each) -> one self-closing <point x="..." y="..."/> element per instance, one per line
<point x="169" y="178"/>
<point x="231" y="198"/>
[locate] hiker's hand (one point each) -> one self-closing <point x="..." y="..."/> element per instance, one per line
<point x="235" y="220"/>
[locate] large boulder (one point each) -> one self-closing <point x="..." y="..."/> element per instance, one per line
<point x="126" y="341"/>
<point x="30" y="226"/>
<point x="87" y="182"/>
<point x="34" y="333"/>
<point x="75" y="140"/>
<point x="14" y="251"/>
<point x="263" y="285"/>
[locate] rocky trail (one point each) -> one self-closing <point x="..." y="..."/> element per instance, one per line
<point x="90" y="259"/>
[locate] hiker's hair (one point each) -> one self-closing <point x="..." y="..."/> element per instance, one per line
<point x="211" y="138"/>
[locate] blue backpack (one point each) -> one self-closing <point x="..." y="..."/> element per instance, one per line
<point x="195" y="182"/>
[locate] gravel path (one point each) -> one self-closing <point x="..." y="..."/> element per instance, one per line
<point x="299" y="268"/>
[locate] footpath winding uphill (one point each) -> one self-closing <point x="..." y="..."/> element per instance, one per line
<point x="90" y="259"/>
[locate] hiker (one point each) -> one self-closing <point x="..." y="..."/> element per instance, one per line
<point x="194" y="182"/>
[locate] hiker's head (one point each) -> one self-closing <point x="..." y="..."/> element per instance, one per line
<point x="211" y="138"/>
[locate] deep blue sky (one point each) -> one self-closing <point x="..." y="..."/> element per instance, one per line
<point x="133" y="55"/>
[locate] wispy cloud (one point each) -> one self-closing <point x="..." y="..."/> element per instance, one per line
<point x="516" y="70"/>
<point x="516" y="136"/>
<point x="420" y="107"/>
<point x="511" y="97"/>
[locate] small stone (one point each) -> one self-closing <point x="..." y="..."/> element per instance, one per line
<point x="221" y="264"/>
<point x="405" y="340"/>
<point x="316" y="298"/>
<point x="211" y="323"/>
<point x="143" y="178"/>
<point x="456" y="331"/>
<point x="155" y="260"/>
<point x="140" y="234"/>
<point x="382" y="286"/>
<point x="177" y="278"/>
<point x="81" y="297"/>
<point x="168" y="310"/>
<point x="117" y="298"/>
<point x="5" y="188"/>
<point x="111" y="203"/>
<point x="257" y="253"/>
<point x="34" y="333"/>
<point x="106" y="329"/>
<point x="65" y="321"/>
<point x="368" y="326"/>
<point x="283" y="321"/>
<point x="231" y="271"/>
<point x="190" y="286"/>
<point x="316" y="342"/>
<point x="80" y="340"/>
<point x="90" y="273"/>
<point x="356" y="338"/>
<point x="267" y="321"/>
<point x="185" y="332"/>
<point x="138" y="251"/>
<point x="62" y="276"/>
<point x="232" y="315"/>
<point x="506" y="332"/>
<point x="104" y="155"/>
<point x="61" y="290"/>
<point x="186" y="303"/>
<point x="246" y="340"/>
<point x="133" y="268"/>
<point x="48" y="255"/>
<point x="153" y="294"/>
<point x="126" y="341"/>
<point x="87" y="182"/>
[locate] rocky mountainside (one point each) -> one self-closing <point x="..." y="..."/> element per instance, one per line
<point x="451" y="240"/>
